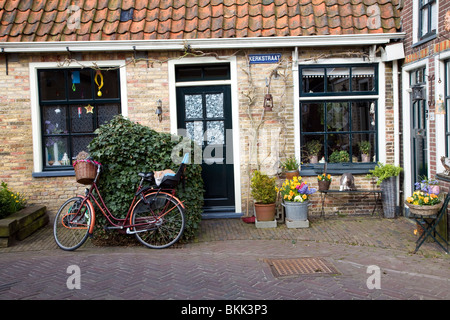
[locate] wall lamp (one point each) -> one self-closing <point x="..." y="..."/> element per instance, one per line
<point x="418" y="93"/>
<point x="158" y="110"/>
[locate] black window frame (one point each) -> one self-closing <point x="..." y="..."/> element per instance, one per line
<point x="447" y="106"/>
<point x="308" y="169"/>
<point x="67" y="103"/>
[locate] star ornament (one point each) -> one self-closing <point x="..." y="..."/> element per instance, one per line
<point x="89" y="109"/>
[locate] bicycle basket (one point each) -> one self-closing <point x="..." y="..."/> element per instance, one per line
<point x="85" y="171"/>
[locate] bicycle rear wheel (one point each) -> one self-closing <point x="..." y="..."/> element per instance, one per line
<point x="72" y="223"/>
<point x="160" y="223"/>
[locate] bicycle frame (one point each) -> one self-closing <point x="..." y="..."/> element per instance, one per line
<point x="125" y="223"/>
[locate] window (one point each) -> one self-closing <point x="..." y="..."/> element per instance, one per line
<point x="338" y="111"/>
<point x="73" y="103"/>
<point x="447" y="106"/>
<point x="427" y="18"/>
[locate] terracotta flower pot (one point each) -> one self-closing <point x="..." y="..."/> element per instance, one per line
<point x="265" y="212"/>
<point x="291" y="174"/>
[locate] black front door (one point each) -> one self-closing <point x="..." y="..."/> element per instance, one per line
<point x="205" y="113"/>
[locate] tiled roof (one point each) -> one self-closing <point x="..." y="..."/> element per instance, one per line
<point x="55" y="20"/>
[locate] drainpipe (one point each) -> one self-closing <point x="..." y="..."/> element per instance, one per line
<point x="396" y="121"/>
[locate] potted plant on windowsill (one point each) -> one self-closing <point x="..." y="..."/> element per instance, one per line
<point x="313" y="148"/>
<point x="264" y="193"/>
<point x="339" y="156"/>
<point x="290" y="167"/>
<point x="365" y="147"/>
<point x="385" y="175"/>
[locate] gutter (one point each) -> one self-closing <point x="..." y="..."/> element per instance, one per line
<point x="201" y="44"/>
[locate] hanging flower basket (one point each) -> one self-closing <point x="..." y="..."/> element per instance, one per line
<point x="324" y="185"/>
<point x="421" y="210"/>
<point x="85" y="171"/>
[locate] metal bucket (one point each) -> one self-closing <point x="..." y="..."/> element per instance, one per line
<point x="296" y="210"/>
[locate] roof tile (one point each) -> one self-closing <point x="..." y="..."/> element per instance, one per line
<point x="42" y="20"/>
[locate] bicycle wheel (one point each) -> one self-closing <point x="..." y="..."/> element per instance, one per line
<point x="160" y="223"/>
<point x="72" y="222"/>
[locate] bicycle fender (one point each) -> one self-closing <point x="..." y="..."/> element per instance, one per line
<point x="89" y="203"/>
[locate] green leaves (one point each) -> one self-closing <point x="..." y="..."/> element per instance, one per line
<point x="126" y="148"/>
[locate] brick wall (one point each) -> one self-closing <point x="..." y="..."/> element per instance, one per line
<point x="147" y="84"/>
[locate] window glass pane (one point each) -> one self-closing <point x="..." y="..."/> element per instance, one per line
<point x="55" y="120"/>
<point x="214" y="105"/>
<point x="52" y="85"/>
<point x="313" y="80"/>
<point x="363" y="115"/>
<point x="221" y="72"/>
<point x="110" y="88"/>
<point x="338" y="148"/>
<point x="195" y="131"/>
<point x="337" y="116"/>
<point x="338" y="79"/>
<point x="188" y="74"/>
<point x="80" y="143"/>
<point x="363" y="147"/>
<point x="194" y="106"/>
<point x="363" y="79"/>
<point x="55" y="150"/>
<point x="105" y="112"/>
<point x="433" y="8"/>
<point x="312" y="117"/>
<point x="82" y="117"/>
<point x="424" y="26"/>
<point x="80" y="84"/>
<point x="312" y="145"/>
<point x="215" y="133"/>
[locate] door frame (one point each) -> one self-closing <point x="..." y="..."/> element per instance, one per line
<point x="234" y="111"/>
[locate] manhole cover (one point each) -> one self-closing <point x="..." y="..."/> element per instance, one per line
<point x="300" y="266"/>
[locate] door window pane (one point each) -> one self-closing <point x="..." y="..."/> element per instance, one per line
<point x="214" y="105"/>
<point x="195" y="131"/>
<point x="215" y="133"/>
<point x="194" y="106"/>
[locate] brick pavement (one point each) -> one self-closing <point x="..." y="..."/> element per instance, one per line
<point x="228" y="262"/>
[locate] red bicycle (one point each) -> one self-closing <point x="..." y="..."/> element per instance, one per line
<point x="155" y="216"/>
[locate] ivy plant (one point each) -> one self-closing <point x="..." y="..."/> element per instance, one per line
<point x="125" y="148"/>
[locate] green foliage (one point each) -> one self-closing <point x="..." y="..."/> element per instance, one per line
<point x="365" y="146"/>
<point x="126" y="148"/>
<point x="263" y="188"/>
<point x="339" y="156"/>
<point x="290" y="164"/>
<point x="313" y="147"/>
<point x="383" y="172"/>
<point x="10" y="202"/>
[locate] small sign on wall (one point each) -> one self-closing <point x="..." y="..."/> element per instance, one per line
<point x="264" y="58"/>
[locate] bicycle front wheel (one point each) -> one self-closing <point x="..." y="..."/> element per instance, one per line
<point x="72" y="223"/>
<point x="159" y="223"/>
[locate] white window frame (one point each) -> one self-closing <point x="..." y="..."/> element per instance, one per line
<point x="35" y="107"/>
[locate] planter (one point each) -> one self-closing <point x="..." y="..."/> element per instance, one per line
<point x="296" y="211"/>
<point x="365" y="157"/>
<point x="424" y="210"/>
<point x="265" y="212"/>
<point x="314" y="159"/>
<point x="324" y="185"/>
<point x="389" y="197"/>
<point x="291" y="174"/>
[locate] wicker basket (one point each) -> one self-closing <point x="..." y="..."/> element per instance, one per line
<point x="85" y="172"/>
<point x="424" y="210"/>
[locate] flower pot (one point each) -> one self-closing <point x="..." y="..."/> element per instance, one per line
<point x="424" y="210"/>
<point x="314" y="159"/>
<point x="296" y="211"/>
<point x="291" y="174"/>
<point x="389" y="197"/>
<point x="324" y="185"/>
<point x="365" y="157"/>
<point x="265" y="212"/>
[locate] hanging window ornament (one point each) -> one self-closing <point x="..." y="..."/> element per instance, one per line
<point x="79" y="112"/>
<point x="89" y="109"/>
<point x="98" y="74"/>
<point x="75" y="79"/>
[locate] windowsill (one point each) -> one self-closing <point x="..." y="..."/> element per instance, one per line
<point x="45" y="174"/>
<point x="424" y="40"/>
<point x="442" y="176"/>
<point x="337" y="168"/>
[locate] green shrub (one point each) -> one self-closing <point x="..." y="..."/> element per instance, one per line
<point x="126" y="148"/>
<point x="384" y="171"/>
<point x="263" y="188"/>
<point x="10" y="202"/>
<point x="339" y="156"/>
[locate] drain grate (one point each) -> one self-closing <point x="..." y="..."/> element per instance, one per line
<point x="282" y="268"/>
